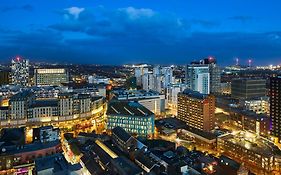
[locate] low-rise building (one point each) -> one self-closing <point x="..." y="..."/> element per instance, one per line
<point x="131" y="116"/>
<point x="251" y="149"/>
<point x="258" y="105"/>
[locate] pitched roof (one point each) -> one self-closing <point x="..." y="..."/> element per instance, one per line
<point x="128" y="108"/>
<point x="121" y="133"/>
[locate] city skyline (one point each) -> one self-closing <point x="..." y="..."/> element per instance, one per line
<point x="133" y="32"/>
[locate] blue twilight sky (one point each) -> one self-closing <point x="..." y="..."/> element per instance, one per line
<point x="133" y="31"/>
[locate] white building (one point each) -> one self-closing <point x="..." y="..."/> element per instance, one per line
<point x="139" y="72"/>
<point x="198" y="78"/>
<point x="20" y="72"/>
<point x="98" y="80"/>
<point x="152" y="100"/>
<point x="172" y="93"/>
<point x="259" y="106"/>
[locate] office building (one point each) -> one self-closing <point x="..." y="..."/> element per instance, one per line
<point x="197" y="78"/>
<point x="152" y="100"/>
<point x="47" y="77"/>
<point x="20" y="72"/>
<point x="275" y="106"/>
<point x="131" y="116"/>
<point x="196" y="109"/>
<point x="244" y="88"/>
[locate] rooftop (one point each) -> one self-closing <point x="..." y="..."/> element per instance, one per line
<point x="121" y="133"/>
<point x="44" y="103"/>
<point x="56" y="162"/>
<point x="21" y="95"/>
<point x="125" y="165"/>
<point x="252" y="142"/>
<point x="128" y="108"/>
<point x="194" y="94"/>
<point x="28" y="147"/>
<point x="204" y="134"/>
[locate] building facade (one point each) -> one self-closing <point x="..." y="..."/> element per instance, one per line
<point x="275" y="106"/>
<point x="196" y="109"/>
<point x="132" y="117"/>
<point x="197" y="78"/>
<point x="20" y="72"/>
<point x="46" y="77"/>
<point x="244" y="88"/>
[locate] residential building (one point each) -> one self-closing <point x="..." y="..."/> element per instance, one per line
<point x="131" y="116"/>
<point x="19" y="105"/>
<point x="196" y="109"/>
<point x="172" y="93"/>
<point x="54" y="76"/>
<point x="139" y="72"/>
<point x="20" y="72"/>
<point x="275" y="106"/>
<point x="197" y="78"/>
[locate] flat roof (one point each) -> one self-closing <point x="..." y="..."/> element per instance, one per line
<point x="194" y="94"/>
<point x="204" y="134"/>
<point x="28" y="147"/>
<point x="252" y="142"/>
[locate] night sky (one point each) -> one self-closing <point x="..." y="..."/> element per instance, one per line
<point x="153" y="31"/>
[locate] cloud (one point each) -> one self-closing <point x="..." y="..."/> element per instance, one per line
<point x="134" y="13"/>
<point x="26" y="7"/>
<point x="129" y="21"/>
<point x="74" y="11"/>
<point x="103" y="36"/>
<point x="241" y="18"/>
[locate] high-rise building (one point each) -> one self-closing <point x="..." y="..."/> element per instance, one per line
<point x="20" y="71"/>
<point x="198" y="78"/>
<point x="215" y="75"/>
<point x="196" y="109"/>
<point x="139" y="72"/>
<point x="245" y="88"/>
<point x="172" y="93"/>
<point x="51" y="77"/>
<point x="148" y="82"/>
<point x="197" y="69"/>
<point x="275" y="106"/>
<point x="167" y="72"/>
